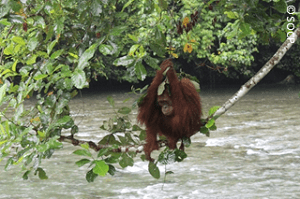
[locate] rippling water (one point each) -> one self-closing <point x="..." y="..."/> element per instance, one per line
<point x="255" y="153"/>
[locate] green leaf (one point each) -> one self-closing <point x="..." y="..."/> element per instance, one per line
<point x="42" y="134"/>
<point x="9" y="162"/>
<point x="40" y="76"/>
<point x="113" y="158"/>
<point x="54" y="144"/>
<point x="123" y="140"/>
<point x="106" y="49"/>
<point x="109" y="139"/>
<point x="82" y="152"/>
<point x="179" y="155"/>
<point x="74" y="129"/>
<point x="245" y="27"/>
<point x="124" y="61"/>
<point x="88" y="54"/>
<point x="186" y="141"/>
<point x="126" y="161"/>
<point x="111" y="170"/>
<point x="280" y="6"/>
<point x="63" y="121"/>
<point x="4" y="141"/>
<point x="82" y="162"/>
<point x="281" y="35"/>
<point x="231" y="15"/>
<point x="14" y="66"/>
<point x="117" y="31"/>
<point x="133" y="38"/>
<point x="56" y="54"/>
<point x="127" y="99"/>
<point x="102" y="152"/>
<point x="213" y="127"/>
<point x="49" y="33"/>
<point x="73" y="55"/>
<point x="136" y="128"/>
<point x="18" y="48"/>
<point x="101" y="168"/>
<point x="78" y="78"/>
<point x="169" y="172"/>
<point x="133" y="49"/>
<point x="42" y="173"/>
<point x="140" y="71"/>
<point x="4" y="22"/>
<point x="127" y="4"/>
<point x="43" y="147"/>
<point x="39" y="20"/>
<point x="4" y="9"/>
<point x="167" y="156"/>
<point x="96" y="8"/>
<point x="153" y="170"/>
<point x="59" y="25"/>
<point x="50" y="46"/>
<point x="19" y="40"/>
<point x="231" y="34"/>
<point x="159" y="36"/>
<point x="210" y="123"/>
<point x="74" y="93"/>
<point x="158" y="49"/>
<point x="124" y="110"/>
<point x="142" y="135"/>
<point x="31" y="60"/>
<point x="163" y="4"/>
<point x="2" y="92"/>
<point x="9" y="50"/>
<point x="151" y="62"/>
<point x="213" y="109"/>
<point x="50" y="100"/>
<point x="32" y="43"/>
<point x="85" y="146"/>
<point x="111" y="101"/>
<point x="204" y="131"/>
<point x="90" y="176"/>
<point x="25" y="175"/>
<point x="141" y="52"/>
<point x="15" y="6"/>
<point x="20" y="109"/>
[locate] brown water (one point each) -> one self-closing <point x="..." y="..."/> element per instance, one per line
<point x="255" y="153"/>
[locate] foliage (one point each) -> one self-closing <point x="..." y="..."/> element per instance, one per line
<point x="209" y="123"/>
<point x="259" y="22"/>
<point x="122" y="134"/>
<point x="51" y="49"/>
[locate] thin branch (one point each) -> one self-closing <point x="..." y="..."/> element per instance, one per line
<point x="259" y="75"/>
<point x="128" y="148"/>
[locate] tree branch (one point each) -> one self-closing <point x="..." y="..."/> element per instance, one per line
<point x="129" y="148"/>
<point x="259" y="75"/>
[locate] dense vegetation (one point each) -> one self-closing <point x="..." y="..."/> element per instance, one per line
<point x="49" y="50"/>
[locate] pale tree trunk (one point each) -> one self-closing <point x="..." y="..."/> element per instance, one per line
<point x="259" y="75"/>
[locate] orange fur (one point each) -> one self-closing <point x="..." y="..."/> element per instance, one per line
<point x="185" y="119"/>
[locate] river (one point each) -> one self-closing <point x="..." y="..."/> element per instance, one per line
<point x="254" y="153"/>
